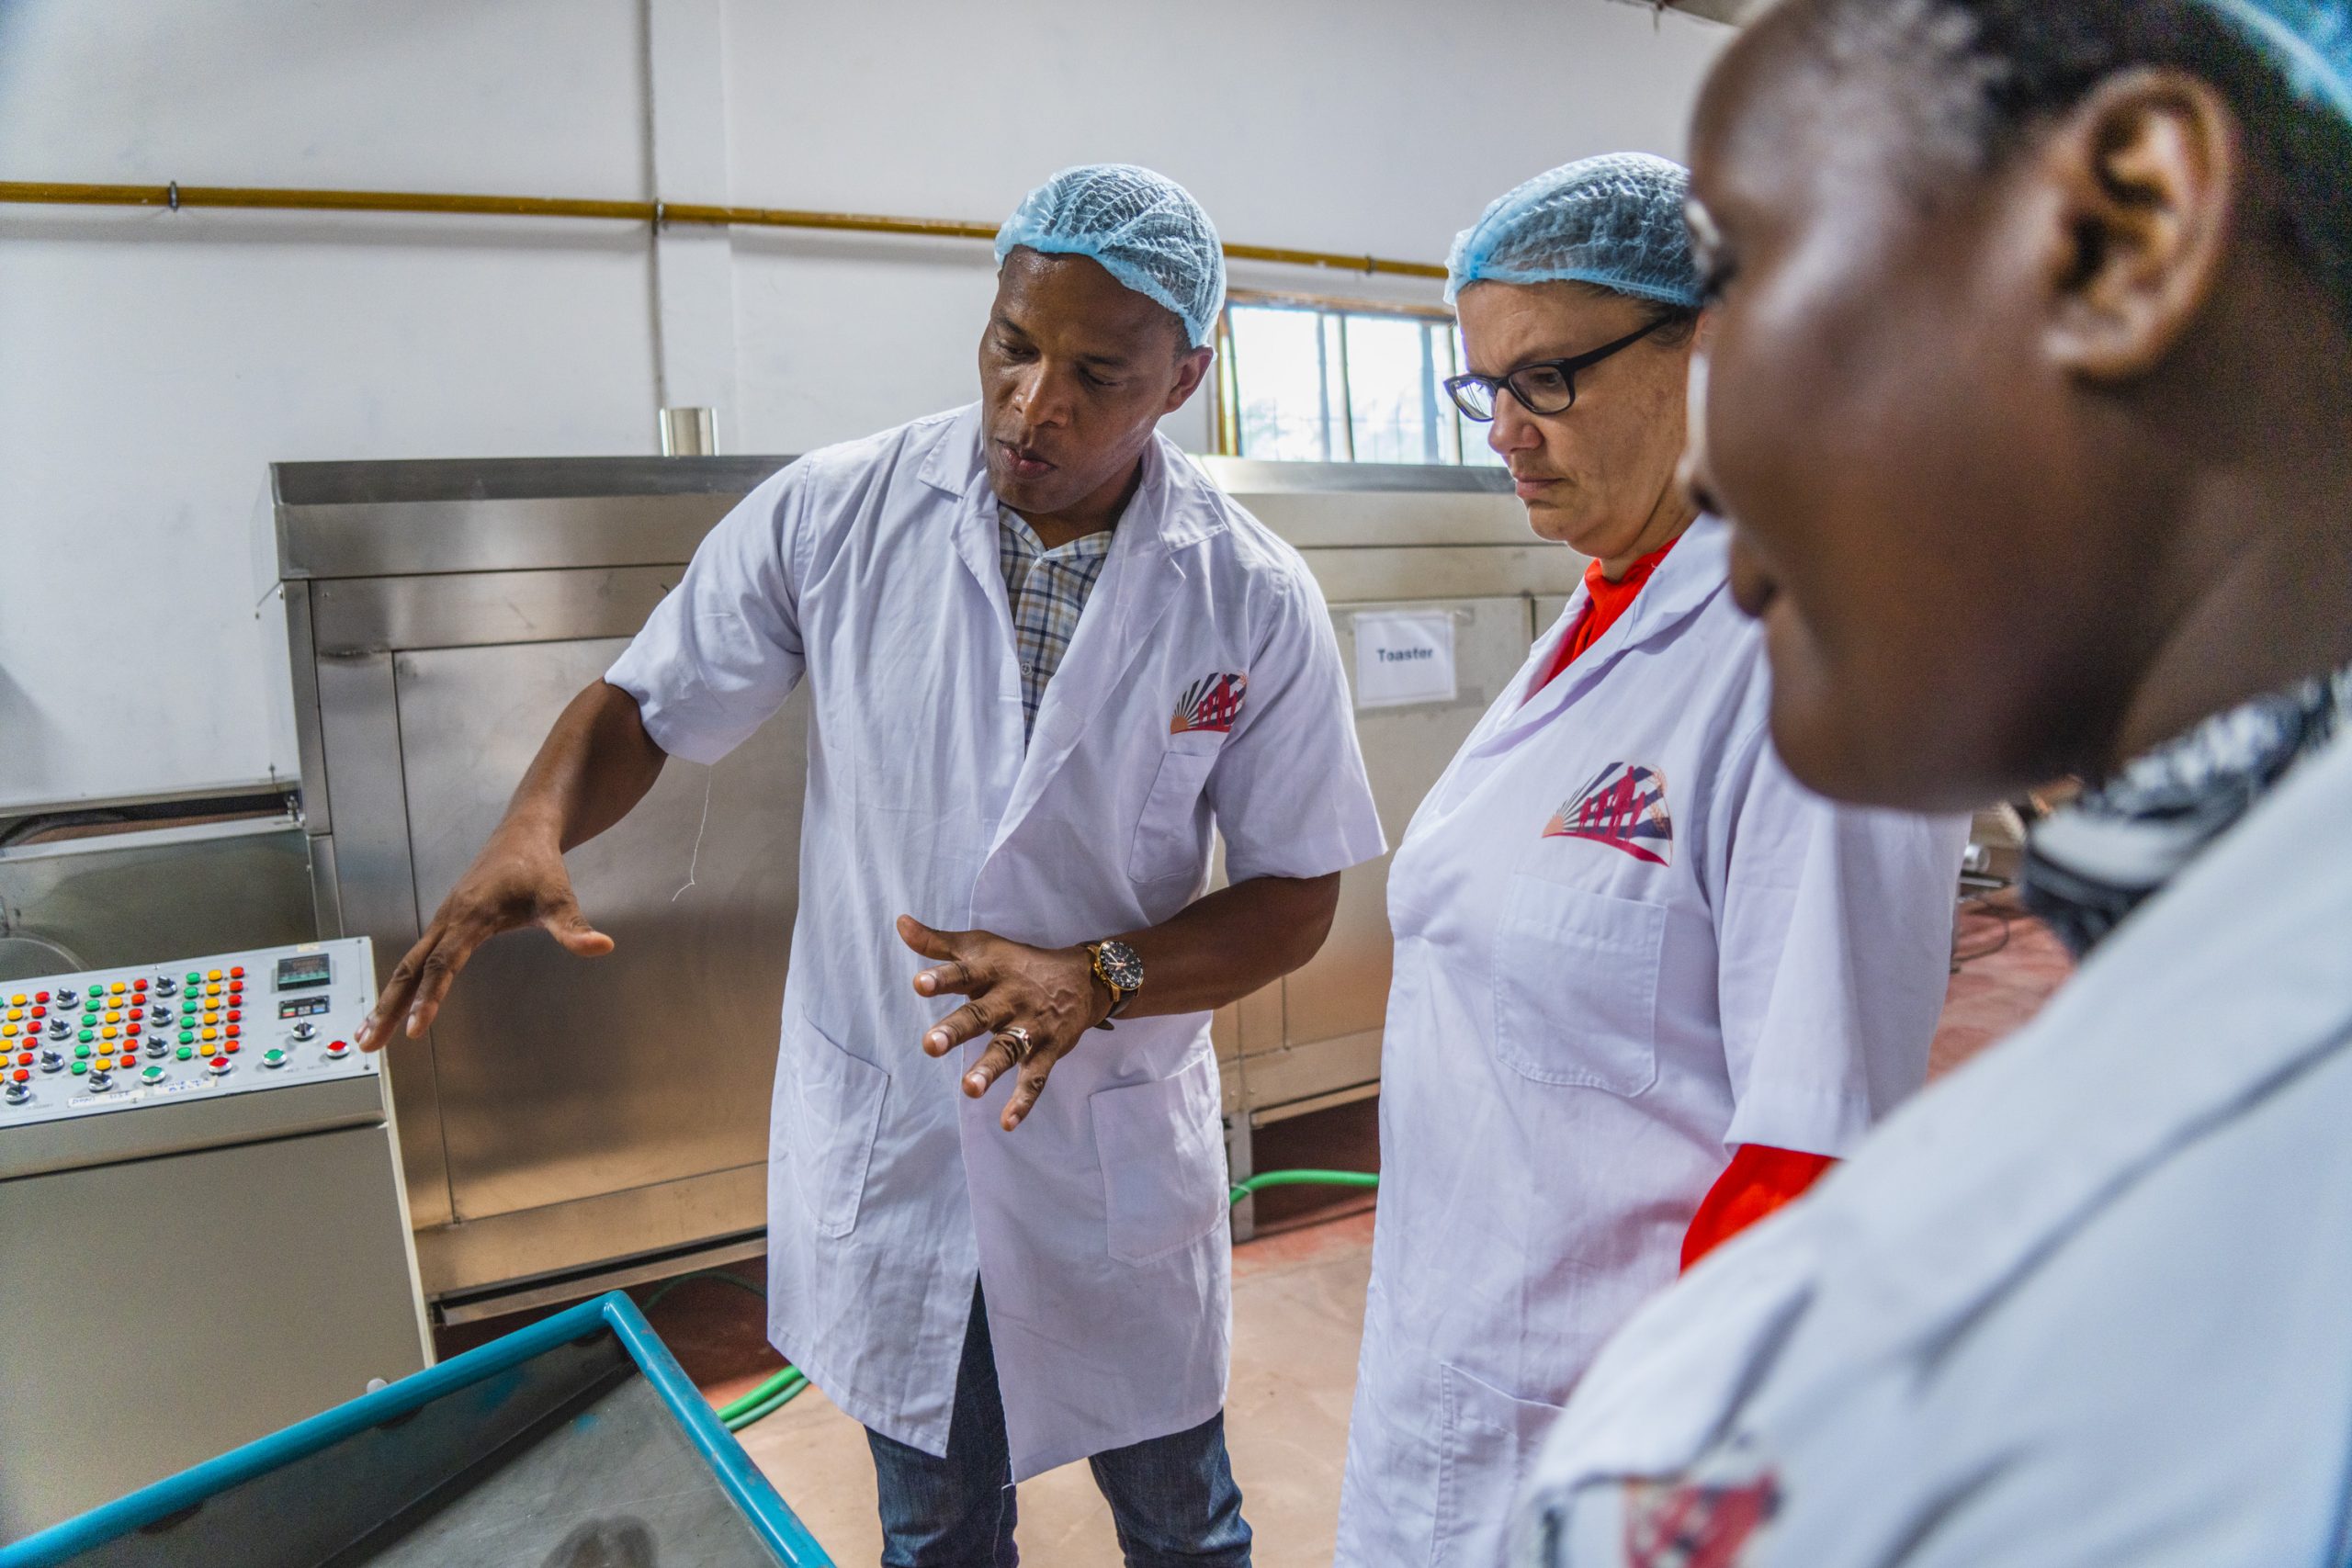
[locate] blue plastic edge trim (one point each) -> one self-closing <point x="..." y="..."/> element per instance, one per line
<point x="776" y="1523"/>
<point x="770" y="1514"/>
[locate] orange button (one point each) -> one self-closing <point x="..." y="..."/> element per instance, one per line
<point x="232" y="1048"/>
<point x="232" y="1031"/>
<point x="238" y="973"/>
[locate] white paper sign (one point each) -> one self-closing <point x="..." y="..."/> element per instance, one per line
<point x="1403" y="655"/>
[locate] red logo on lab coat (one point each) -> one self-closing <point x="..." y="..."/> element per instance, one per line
<point x="1624" y="807"/>
<point x="1685" y="1524"/>
<point x="1211" y="703"/>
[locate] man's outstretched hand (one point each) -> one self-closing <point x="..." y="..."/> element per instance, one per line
<point x="1050" y="992"/>
<point x="509" y="886"/>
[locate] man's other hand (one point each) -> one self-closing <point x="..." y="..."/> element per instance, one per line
<point x="1037" y="1002"/>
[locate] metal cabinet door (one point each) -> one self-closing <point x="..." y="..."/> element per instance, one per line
<point x="1333" y="1008"/>
<point x="561" y="1079"/>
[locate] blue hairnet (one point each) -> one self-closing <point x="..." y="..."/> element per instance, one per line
<point x="2311" y="41"/>
<point x="1144" y="227"/>
<point x="1615" y="221"/>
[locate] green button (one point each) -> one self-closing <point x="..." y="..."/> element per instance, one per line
<point x="84" y="1049"/>
<point x="81" y="1067"/>
<point x="273" y="1054"/>
<point x="187" y="1036"/>
<point x="151" y="1074"/>
<point x="185" y="1051"/>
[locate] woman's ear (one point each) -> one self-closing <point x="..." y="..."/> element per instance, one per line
<point x="2143" y="184"/>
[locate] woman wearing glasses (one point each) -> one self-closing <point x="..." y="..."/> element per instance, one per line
<point x="1646" y="987"/>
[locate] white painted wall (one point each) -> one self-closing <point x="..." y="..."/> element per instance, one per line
<point x="153" y="363"/>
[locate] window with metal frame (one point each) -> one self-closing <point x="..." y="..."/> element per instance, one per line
<point x="1335" y="381"/>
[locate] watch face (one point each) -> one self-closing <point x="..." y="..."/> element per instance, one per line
<point x="1121" y="966"/>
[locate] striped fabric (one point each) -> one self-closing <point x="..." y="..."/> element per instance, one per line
<point x="1047" y="590"/>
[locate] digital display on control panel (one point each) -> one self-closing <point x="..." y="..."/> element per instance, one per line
<point x="302" y="1007"/>
<point x="304" y="969"/>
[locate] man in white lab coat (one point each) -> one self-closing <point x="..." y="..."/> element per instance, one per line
<point x="2027" y="403"/>
<point x="1045" y="658"/>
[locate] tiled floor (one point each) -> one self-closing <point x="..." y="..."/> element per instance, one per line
<point x="1298" y="1297"/>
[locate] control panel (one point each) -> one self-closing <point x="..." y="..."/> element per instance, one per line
<point x="114" y="1039"/>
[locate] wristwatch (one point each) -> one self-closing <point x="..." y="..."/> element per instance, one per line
<point x="1120" y="968"/>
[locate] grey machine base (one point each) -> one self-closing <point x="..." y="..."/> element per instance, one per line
<point x="143" y="1335"/>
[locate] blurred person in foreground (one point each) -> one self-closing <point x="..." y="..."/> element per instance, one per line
<point x="2028" y="400"/>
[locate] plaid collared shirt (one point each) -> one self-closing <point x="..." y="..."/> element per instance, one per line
<point x="1047" y="590"/>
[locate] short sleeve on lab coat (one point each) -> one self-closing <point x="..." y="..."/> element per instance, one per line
<point x="1289" y="790"/>
<point x="722" y="650"/>
<point x="1834" y="941"/>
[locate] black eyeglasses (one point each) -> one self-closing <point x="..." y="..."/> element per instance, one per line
<point x="1546" y="387"/>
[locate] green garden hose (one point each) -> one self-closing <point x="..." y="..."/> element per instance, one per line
<point x="1265" y="1178"/>
<point x="788" y="1384"/>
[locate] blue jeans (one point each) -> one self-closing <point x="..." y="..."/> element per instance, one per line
<point x="1172" y="1499"/>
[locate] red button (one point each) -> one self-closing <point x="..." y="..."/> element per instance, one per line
<point x="23" y="1058"/>
<point x="139" y="985"/>
<point x="219" y="1061"/>
<point x="234" y="1015"/>
<point x="40" y="1012"/>
<point x="41" y="996"/>
<point x="132" y="1031"/>
<point x="337" y="1047"/>
<point x="238" y="973"/>
<point x="20" y="1075"/>
<point x="232" y="1047"/>
<point x="233" y="1028"/>
<point x="130" y="1061"/>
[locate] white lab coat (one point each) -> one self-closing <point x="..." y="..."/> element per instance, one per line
<point x="1581" y="1027"/>
<point x="2084" y="1302"/>
<point x="1098" y="1226"/>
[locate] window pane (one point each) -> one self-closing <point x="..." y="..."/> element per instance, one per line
<point x="1384" y="383"/>
<point x="1438" y="339"/>
<point x="1335" y="383"/>
<point x="1278" y="371"/>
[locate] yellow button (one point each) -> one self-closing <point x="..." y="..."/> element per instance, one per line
<point x="212" y="1017"/>
<point x="118" y="987"/>
<point x="213" y="990"/>
<point x="212" y="975"/>
<point x="211" y="1034"/>
<point x="16" y="1014"/>
<point x="108" y="1033"/>
<point x="114" y="1015"/>
<point x="19" y="999"/>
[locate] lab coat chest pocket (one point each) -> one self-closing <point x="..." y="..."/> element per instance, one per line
<point x="1168" y="839"/>
<point x="834" y="1115"/>
<point x="1155" y="1204"/>
<point x="1576" y="978"/>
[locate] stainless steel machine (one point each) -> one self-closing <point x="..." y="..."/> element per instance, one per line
<point x="440" y="615"/>
<point x="202" y="1237"/>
